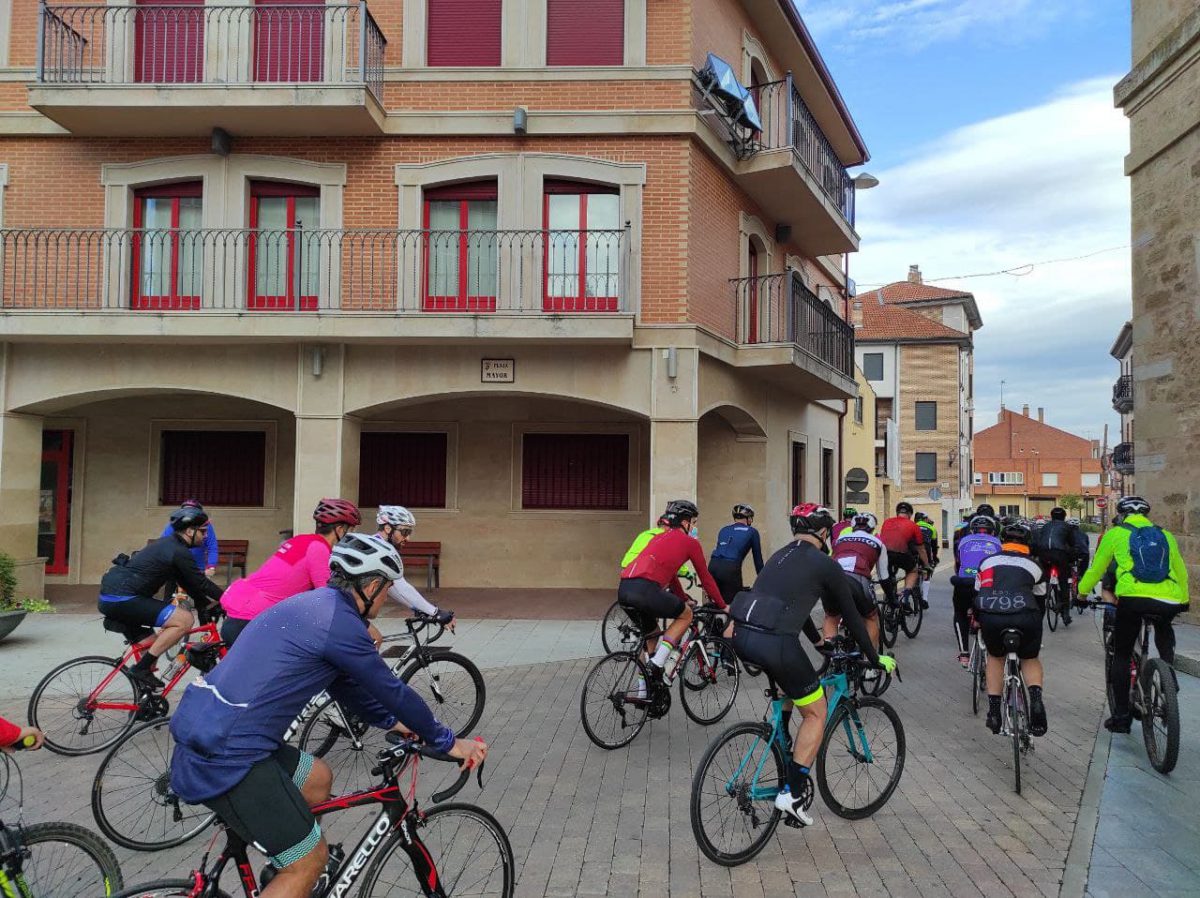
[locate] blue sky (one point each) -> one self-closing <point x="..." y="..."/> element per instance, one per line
<point x="992" y="130"/>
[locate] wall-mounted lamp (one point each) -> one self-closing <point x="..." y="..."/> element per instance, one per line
<point x="520" y="120"/>
<point x="222" y="142"/>
<point x="672" y="357"/>
<point x="783" y="233"/>
<point x="318" y="360"/>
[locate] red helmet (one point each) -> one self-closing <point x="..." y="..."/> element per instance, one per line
<point x="337" y="511"/>
<point x="810" y="518"/>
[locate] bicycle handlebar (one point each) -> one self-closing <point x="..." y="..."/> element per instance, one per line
<point x="403" y="747"/>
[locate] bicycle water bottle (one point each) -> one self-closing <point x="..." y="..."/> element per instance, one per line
<point x="173" y="668"/>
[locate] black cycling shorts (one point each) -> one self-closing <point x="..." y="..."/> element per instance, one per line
<point x="1028" y="623"/>
<point x="784" y="660"/>
<point x="231" y="628"/>
<point x="728" y="574"/>
<point x="862" y="597"/>
<point x="645" y="602"/>
<point x="902" y="561"/>
<point x="139" y="611"/>
<point x="267" y="809"/>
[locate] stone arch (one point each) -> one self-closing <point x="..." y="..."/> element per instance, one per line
<point x="375" y="409"/>
<point x="754" y="57"/>
<point x="743" y="423"/>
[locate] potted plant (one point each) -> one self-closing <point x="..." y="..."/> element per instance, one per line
<point x="12" y="609"/>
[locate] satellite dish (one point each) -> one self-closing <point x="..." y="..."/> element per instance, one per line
<point x="749" y="117"/>
<point x="718" y="79"/>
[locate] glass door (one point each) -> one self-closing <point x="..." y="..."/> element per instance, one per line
<point x="54" y="508"/>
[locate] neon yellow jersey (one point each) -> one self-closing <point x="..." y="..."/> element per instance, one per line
<point x="639" y="543"/>
<point x="1115" y="547"/>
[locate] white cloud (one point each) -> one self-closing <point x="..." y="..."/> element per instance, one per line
<point x="1039" y="184"/>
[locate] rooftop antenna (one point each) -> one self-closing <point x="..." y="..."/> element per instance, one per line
<point x="1002" y="383"/>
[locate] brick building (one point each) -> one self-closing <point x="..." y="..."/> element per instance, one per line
<point x="528" y="277"/>
<point x="1159" y="98"/>
<point x="1121" y="459"/>
<point x="914" y="343"/>
<point x="1023" y="466"/>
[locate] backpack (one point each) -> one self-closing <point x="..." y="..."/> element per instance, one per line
<point x="1151" y="553"/>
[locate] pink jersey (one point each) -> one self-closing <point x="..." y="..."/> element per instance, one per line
<point x="298" y="565"/>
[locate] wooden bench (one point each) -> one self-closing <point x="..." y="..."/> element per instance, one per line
<point x="428" y="554"/>
<point x="232" y="554"/>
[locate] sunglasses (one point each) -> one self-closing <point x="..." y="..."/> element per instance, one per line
<point x="405" y="531"/>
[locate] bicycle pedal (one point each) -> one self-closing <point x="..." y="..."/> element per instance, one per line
<point x="789" y="820"/>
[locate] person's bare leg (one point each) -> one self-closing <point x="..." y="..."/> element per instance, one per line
<point x="830" y="626"/>
<point x="995" y="675"/>
<point x="172" y="631"/>
<point x="679" y="626"/>
<point x="1031" y="669"/>
<point x="297" y="880"/>
<point x="317" y="788"/>
<point x="812" y="728"/>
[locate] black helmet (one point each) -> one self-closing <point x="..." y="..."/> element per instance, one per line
<point x="185" y="518"/>
<point x="1132" y="505"/>
<point x="921" y="517"/>
<point x="986" y="509"/>
<point x="810" y="518"/>
<point x="679" y="510"/>
<point x="904" y="508"/>
<point x="743" y="511"/>
<point x="1058" y="513"/>
<point x="1018" y="533"/>
<point x="983" y="524"/>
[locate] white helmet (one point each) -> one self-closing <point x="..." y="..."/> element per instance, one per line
<point x="362" y="555"/>
<point x="395" y="516"/>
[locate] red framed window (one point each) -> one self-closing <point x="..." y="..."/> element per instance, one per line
<point x="585" y="32"/>
<point x="218" y="467"/>
<point x="402" y="469"/>
<point x="283" y="254"/>
<point x="585" y="471"/>
<point x="168" y="42"/>
<point x="752" y="293"/>
<point x="289" y="40"/>
<point x="54" y="508"/>
<point x="582" y="244"/>
<point x="463" y="32"/>
<point x="167" y="247"/>
<point x="461" y="248"/>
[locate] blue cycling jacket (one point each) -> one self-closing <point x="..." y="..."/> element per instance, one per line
<point x="236" y="715"/>
<point x="735" y="542"/>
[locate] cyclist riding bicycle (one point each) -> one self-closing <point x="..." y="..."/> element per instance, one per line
<point x="127" y="591"/>
<point x="905" y="543"/>
<point x="861" y="555"/>
<point x="1152" y="580"/>
<point x="985" y="511"/>
<point x="929" y="531"/>
<point x="1011" y="587"/>
<point x="650" y="587"/>
<point x="299" y="564"/>
<point x="734" y="543"/>
<point x="396" y="524"/>
<point x="846" y="523"/>
<point x="228" y="729"/>
<point x="767" y="622"/>
<point x="206" y="555"/>
<point x="980" y="543"/>
<point x="1064" y="547"/>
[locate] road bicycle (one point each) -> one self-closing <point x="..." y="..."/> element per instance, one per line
<point x="51" y="860"/>
<point x="622" y="691"/>
<point x="1058" y="598"/>
<point x="1014" y="703"/>
<point x="1153" y="691"/>
<point x="619" y="632"/>
<point x="867" y="680"/>
<point x="900" y="608"/>
<point x="87" y="704"/>
<point x="977" y="665"/>
<point x="134" y="805"/>
<point x="450" y="849"/>
<point x="858" y="765"/>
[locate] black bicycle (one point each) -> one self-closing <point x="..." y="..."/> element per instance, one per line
<point x="619" y="632"/>
<point x="49" y="860"/>
<point x="452" y="849"/>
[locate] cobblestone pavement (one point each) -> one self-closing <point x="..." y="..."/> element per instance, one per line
<point x="588" y="822"/>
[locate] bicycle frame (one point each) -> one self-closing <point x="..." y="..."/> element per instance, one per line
<point x="1014" y="685"/>
<point x="134" y="654"/>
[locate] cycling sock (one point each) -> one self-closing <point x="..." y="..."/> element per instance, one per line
<point x="146" y="662"/>
<point x="660" y="654"/>
<point x="1035" y="694"/>
<point x="797" y="774"/>
<point x="993" y="704"/>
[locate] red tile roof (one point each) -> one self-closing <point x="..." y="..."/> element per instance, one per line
<point x="898" y="323"/>
<point x="907" y="291"/>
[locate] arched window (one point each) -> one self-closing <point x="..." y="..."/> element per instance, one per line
<point x="461" y="247"/>
<point x="581" y="249"/>
<point x="167" y="251"/>
<point x="283" y="258"/>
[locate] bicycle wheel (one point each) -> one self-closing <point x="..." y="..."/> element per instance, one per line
<point x="1018" y="725"/>
<point x="64" y="708"/>
<point x="1160" y="715"/>
<point x="468" y="847"/>
<point x="618" y="632"/>
<point x="861" y="758"/>
<point x="873" y="686"/>
<point x="615" y="701"/>
<point x="708" y="680"/>
<point x="451" y="685"/>
<point x="65" y="859"/>
<point x="977" y="668"/>
<point x="166" y="888"/>
<point x="733" y="809"/>
<point x="132" y="799"/>
<point x="346" y="743"/>
<point x="889" y="625"/>
<point x="1052" y="605"/>
<point x="914" y="613"/>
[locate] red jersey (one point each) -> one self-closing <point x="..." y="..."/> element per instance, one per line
<point x="839" y="528"/>
<point x="662" y="558"/>
<point x="859" y="552"/>
<point x="899" y="533"/>
<point x="9" y="733"/>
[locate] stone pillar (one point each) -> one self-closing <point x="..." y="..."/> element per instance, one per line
<point x="326" y="437"/>
<point x="20" y="491"/>
<point x="674" y="437"/>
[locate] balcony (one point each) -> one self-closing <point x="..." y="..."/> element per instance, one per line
<point x="1122" y="458"/>
<point x="781" y="325"/>
<point x="432" y="282"/>
<point x="790" y="169"/>
<point x="1122" y="397"/>
<point x="182" y="69"/>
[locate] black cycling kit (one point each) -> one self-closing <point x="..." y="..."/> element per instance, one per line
<point x="1011" y="593"/>
<point x="734" y="543"/>
<point x="127" y="591"/>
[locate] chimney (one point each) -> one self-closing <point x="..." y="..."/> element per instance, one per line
<point x="914" y="274"/>
<point x="1025" y="410"/>
<point x="1041" y="415"/>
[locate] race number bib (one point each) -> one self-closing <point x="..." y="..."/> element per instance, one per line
<point x="1003" y="603"/>
<point x="847" y="563"/>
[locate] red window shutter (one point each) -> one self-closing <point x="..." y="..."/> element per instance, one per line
<point x="281" y="188"/>
<point x="558" y="186"/>
<point x="584" y="471"/>
<point x="402" y="469"/>
<point x="168" y="38"/>
<point x="218" y="467"/>
<point x="289" y="43"/>
<point x="463" y="32"/>
<point x="468" y="190"/>
<point x="585" y="32"/>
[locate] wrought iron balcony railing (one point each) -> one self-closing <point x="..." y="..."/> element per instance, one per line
<point x="1122" y="458"/>
<point x="1122" y="394"/>
<point x="779" y="308"/>
<point x="180" y="44"/>
<point x="299" y="270"/>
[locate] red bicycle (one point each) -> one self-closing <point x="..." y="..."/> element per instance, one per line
<point x="453" y="849"/>
<point x="86" y="704"/>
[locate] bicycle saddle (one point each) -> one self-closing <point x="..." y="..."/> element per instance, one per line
<point x="1012" y="640"/>
<point x="131" y="632"/>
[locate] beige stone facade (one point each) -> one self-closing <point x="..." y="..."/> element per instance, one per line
<point x="708" y="334"/>
<point x="1159" y="96"/>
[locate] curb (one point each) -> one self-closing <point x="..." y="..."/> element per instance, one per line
<point x="1186" y="664"/>
<point x="1079" y="855"/>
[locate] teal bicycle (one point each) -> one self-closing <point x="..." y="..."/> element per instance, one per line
<point x="858" y="766"/>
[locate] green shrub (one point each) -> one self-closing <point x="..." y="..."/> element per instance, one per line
<point x="8" y="590"/>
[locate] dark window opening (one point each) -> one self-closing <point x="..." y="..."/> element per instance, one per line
<point x="402" y="469"/>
